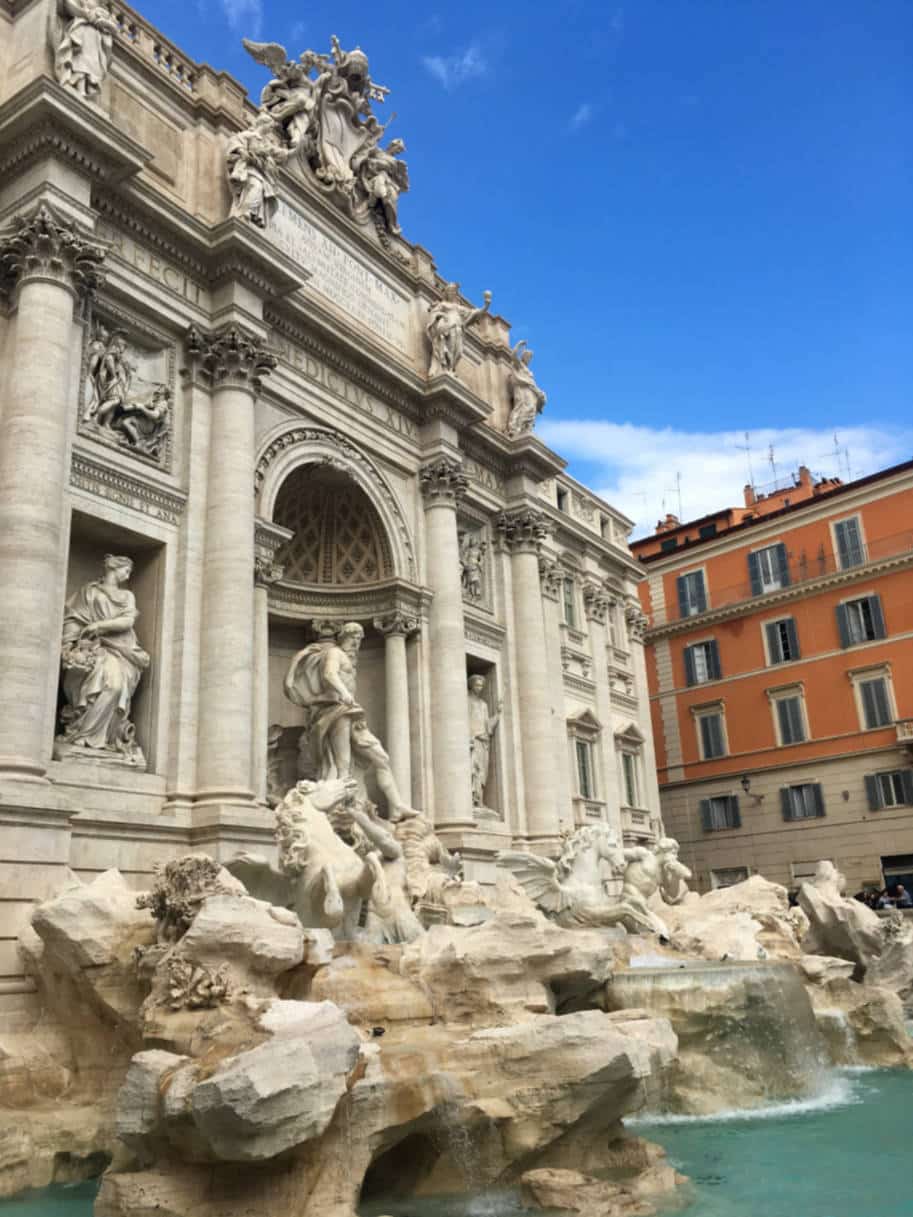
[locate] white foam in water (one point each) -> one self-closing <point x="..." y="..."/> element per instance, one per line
<point x="839" y="1092"/>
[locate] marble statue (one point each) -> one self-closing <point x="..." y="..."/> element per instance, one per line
<point x="526" y="398"/>
<point x="252" y="161"/>
<point x="322" y="877"/>
<point x="178" y="890"/>
<point x="571" y="890"/>
<point x="138" y="420"/>
<point x="275" y="791"/>
<point x="447" y="321"/>
<point x="472" y="572"/>
<point x="82" y="35"/>
<point x="102" y="664"/>
<point x="321" y="678"/>
<point x="430" y="866"/>
<point x="482" y="727"/>
<point x="193" y="986"/>
<point x="319" y="109"/>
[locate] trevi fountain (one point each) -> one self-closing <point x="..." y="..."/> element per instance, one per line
<point x="334" y="878"/>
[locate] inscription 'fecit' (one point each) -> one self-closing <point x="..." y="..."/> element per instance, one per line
<point x="353" y="395"/>
<point x="151" y="264"/>
<point x="345" y="281"/>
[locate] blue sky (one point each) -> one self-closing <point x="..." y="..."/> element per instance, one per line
<point x="698" y="212"/>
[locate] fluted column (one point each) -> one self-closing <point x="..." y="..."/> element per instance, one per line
<point x="266" y="573"/>
<point x="45" y="265"/>
<point x="596" y="602"/>
<point x="524" y="530"/>
<point x="233" y="362"/>
<point x="396" y="628"/>
<point x="443" y="482"/>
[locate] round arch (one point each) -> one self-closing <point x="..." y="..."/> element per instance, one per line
<point x="293" y="445"/>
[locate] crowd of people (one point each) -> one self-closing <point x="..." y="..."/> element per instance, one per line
<point x="894" y="897"/>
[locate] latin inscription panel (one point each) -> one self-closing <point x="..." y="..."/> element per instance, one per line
<point x="341" y="278"/>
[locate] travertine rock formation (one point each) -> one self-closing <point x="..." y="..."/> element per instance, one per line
<point x="748" y="921"/>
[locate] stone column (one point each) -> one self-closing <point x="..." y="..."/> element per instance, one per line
<point x="396" y="628"/>
<point x="443" y="482"/>
<point x="234" y="363"/>
<point x="524" y="530"/>
<point x="266" y="573"/>
<point x="45" y="265"/>
<point x="596" y="607"/>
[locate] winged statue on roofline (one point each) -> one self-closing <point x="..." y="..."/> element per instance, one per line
<point x="317" y="111"/>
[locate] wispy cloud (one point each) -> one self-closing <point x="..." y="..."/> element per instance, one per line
<point x="299" y="29"/>
<point x="452" y="70"/>
<point x="635" y="467"/>
<point x="581" y="116"/>
<point x="244" y="15"/>
<point x="617" y="22"/>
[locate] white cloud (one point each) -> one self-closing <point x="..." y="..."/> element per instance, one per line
<point x="452" y="70"/>
<point x="582" y="115"/>
<point x="636" y="467"/>
<point x="299" y="29"/>
<point x="244" y="15"/>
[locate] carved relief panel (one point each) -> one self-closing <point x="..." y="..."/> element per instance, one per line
<point x="126" y="397"/>
<point x="475" y="567"/>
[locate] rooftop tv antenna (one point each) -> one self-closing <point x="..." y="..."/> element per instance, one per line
<point x="843" y="452"/>
<point x="772" y="462"/>
<point x="676" y="490"/>
<point x="746" y="448"/>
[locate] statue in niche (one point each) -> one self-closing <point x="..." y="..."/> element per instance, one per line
<point x="526" y="398"/>
<point x="321" y="679"/>
<point x="482" y="727"/>
<point x="319" y="108"/>
<point x="472" y="572"/>
<point x="252" y="160"/>
<point x="571" y="890"/>
<point x="102" y="664"/>
<point x="447" y="320"/>
<point x="139" y="420"/>
<point x="82" y="35"/>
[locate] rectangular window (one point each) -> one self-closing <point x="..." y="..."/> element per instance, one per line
<point x="894" y="789"/>
<point x="791" y="719"/>
<point x="570" y="608"/>
<point x="629" y="769"/>
<point x="802" y="802"/>
<point x="782" y="640"/>
<point x="850" y="551"/>
<point x="668" y="545"/>
<point x="585" y="783"/>
<point x="876" y="703"/>
<point x="702" y="662"/>
<point x="860" y="621"/>
<point x="692" y="595"/>
<point x="768" y="569"/>
<point x="720" y="812"/>
<point x="706" y="531"/>
<point x="728" y="876"/>
<point x="712" y="738"/>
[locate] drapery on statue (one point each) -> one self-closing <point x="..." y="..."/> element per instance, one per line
<point x="447" y="319"/>
<point x="472" y="553"/>
<point x="482" y="727"/>
<point x="82" y="35"/>
<point x="102" y="664"/>
<point x="526" y="398"/>
<point x="319" y="109"/>
<point x="571" y="890"/>
<point x="139" y="421"/>
<point x="321" y="679"/>
<point x="252" y="159"/>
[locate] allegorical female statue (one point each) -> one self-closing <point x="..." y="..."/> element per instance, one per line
<point x="482" y="727"/>
<point x="447" y="320"/>
<point x="102" y="664"/>
<point x="83" y="44"/>
<point x="526" y="398"/>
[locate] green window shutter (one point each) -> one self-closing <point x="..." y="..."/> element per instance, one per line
<point x="792" y="729"/>
<point x="716" y="670"/>
<point x="878" y="625"/>
<point x="734" y="811"/>
<point x="690" y="674"/>
<point x="906" y="781"/>
<point x="774" y="649"/>
<point x="869" y="706"/>
<point x="873" y="792"/>
<point x="793" y="636"/>
<point x="843" y="625"/>
<point x="682" y="587"/>
<point x="849" y="543"/>
<point x="706" y="822"/>
<point x="701" y="591"/>
<point x="783" y="564"/>
<point x="754" y="574"/>
<point x="819" y="799"/>
<point x="786" y="806"/>
<point x="882" y="703"/>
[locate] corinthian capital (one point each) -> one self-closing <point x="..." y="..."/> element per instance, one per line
<point x="267" y="572"/>
<point x="524" y="529"/>
<point x="231" y="357"/>
<point x="41" y="246"/>
<point x="551" y="576"/>
<point x="595" y="602"/>
<point x="638" y="622"/>
<point x="397" y="623"/>
<point x="443" y="480"/>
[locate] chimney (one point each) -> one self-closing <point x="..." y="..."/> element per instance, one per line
<point x="750" y="498"/>
<point x="805" y="477"/>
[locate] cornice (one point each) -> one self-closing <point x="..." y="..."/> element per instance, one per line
<point x="579" y="684"/>
<point x="367" y="601"/>
<point x="785" y="595"/>
<point x="479" y="629"/>
<point x="97" y="476"/>
<point x="447" y="397"/>
<point x="45" y="119"/>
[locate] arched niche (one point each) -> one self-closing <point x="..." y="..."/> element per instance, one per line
<point x="295" y="457"/>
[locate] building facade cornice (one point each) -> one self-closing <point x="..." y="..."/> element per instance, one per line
<point x="98" y="477"/>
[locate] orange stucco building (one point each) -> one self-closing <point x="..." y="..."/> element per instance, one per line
<point x="780" y="668"/>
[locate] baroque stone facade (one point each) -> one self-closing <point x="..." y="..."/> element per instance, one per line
<point x="222" y="363"/>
